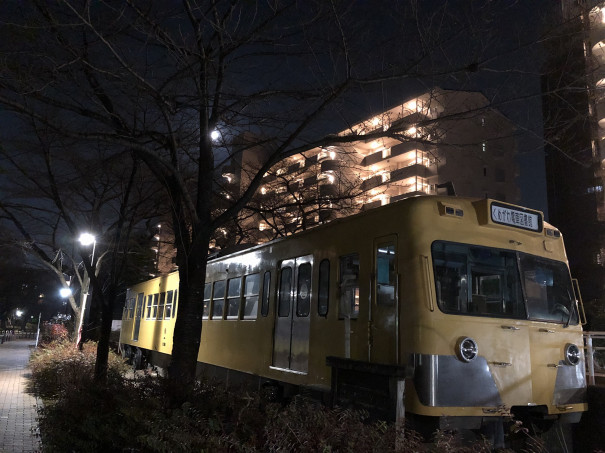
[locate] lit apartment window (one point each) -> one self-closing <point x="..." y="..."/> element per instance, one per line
<point x="482" y="121"/>
<point x="483" y="146"/>
<point x="262" y="226"/>
<point x="386" y="152"/>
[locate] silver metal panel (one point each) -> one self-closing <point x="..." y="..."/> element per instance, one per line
<point x="570" y="385"/>
<point x="445" y="381"/>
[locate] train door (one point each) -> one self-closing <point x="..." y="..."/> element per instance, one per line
<point x="137" y="317"/>
<point x="291" y="340"/>
<point x="384" y="310"/>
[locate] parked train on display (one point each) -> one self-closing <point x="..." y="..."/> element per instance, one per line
<point x="450" y="310"/>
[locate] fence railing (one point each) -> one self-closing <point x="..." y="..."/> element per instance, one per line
<point x="594" y="351"/>
<point x="10" y="334"/>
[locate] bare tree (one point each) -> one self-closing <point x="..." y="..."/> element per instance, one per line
<point x="57" y="190"/>
<point x="158" y="79"/>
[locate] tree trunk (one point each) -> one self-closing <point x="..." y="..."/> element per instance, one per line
<point x="107" y="303"/>
<point x="188" y="325"/>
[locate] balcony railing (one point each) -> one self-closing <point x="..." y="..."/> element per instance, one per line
<point x="594" y="351"/>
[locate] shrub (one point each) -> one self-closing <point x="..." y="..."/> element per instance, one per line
<point x="53" y="333"/>
<point x="60" y="367"/>
<point x="133" y="414"/>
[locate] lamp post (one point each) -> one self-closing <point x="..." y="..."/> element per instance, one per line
<point x="85" y="240"/>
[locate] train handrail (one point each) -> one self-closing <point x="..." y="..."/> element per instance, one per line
<point x="589" y="353"/>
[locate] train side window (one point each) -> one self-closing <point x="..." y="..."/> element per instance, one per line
<point x="169" y="299"/>
<point x="303" y="290"/>
<point x="285" y="292"/>
<point x="161" y="304"/>
<point x="131" y="308"/>
<point x="149" y="306"/>
<point x="218" y="299"/>
<point x="349" y="286"/>
<point x="386" y="275"/>
<point x="207" y="295"/>
<point x="154" y="307"/>
<point x="140" y="305"/>
<point x="323" y="289"/>
<point x="234" y="292"/>
<point x="251" y="286"/>
<point x="175" y="301"/>
<point x="264" y="308"/>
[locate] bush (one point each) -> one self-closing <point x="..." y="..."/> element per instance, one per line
<point x="133" y="414"/>
<point x="59" y="368"/>
<point x="53" y="333"/>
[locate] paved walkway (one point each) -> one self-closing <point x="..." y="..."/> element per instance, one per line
<point x="18" y="426"/>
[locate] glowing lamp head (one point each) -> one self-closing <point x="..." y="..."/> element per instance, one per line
<point x="86" y="239"/>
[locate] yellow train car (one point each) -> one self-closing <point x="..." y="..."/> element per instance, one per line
<point x="452" y="310"/>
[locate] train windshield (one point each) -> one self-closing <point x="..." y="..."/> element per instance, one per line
<point x="483" y="281"/>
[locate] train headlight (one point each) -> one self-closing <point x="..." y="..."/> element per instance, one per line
<point x="572" y="354"/>
<point x="466" y="349"/>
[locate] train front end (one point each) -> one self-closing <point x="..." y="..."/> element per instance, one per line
<point x="501" y="333"/>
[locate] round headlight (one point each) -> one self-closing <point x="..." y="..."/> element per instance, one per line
<point x="466" y="349"/>
<point x="572" y="354"/>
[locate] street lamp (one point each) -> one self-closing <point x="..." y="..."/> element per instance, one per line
<point x="85" y="240"/>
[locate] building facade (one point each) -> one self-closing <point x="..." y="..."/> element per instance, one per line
<point x="436" y="139"/>
<point x="573" y="88"/>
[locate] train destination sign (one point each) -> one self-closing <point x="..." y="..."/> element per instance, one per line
<point x="516" y="217"/>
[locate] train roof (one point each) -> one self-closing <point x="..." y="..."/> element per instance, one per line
<point x="420" y="199"/>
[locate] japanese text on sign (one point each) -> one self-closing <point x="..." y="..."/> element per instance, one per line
<point x="516" y="218"/>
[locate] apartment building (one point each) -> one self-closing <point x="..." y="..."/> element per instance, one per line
<point x="574" y="125"/>
<point x="436" y="138"/>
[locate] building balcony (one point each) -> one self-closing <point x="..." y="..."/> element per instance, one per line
<point x="598" y="51"/>
<point x="269" y="178"/>
<point x="372" y="159"/>
<point x="406" y="147"/>
<point x="328" y="190"/>
<point x="294" y="168"/>
<point x="408" y="172"/>
<point x="372" y="182"/>
<point x="329" y="165"/>
<point x="597" y="24"/>
<point x="325" y="215"/>
<point x="410" y="120"/>
<point x="371" y="205"/>
<point x="414" y="193"/>
<point x="600" y="104"/>
<point x="310" y="181"/>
